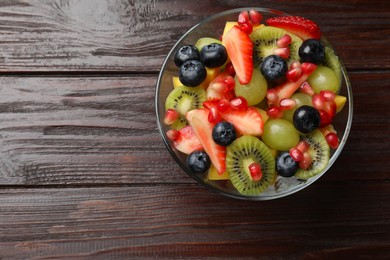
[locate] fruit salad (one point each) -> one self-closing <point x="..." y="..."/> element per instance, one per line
<point x="256" y="103"/>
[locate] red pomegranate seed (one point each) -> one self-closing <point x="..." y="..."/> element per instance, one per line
<point x="306" y="161"/>
<point x="243" y="17"/>
<point x="170" y="116"/>
<point x="295" y="64"/>
<point x="239" y="103"/>
<point x="306" y="89"/>
<point x="246" y="27"/>
<point x="302" y="146"/>
<point x="223" y="105"/>
<point x="296" y="154"/>
<point x="328" y="95"/>
<point x="318" y="101"/>
<point x="230" y="69"/>
<point x="332" y="140"/>
<point x="275" y="112"/>
<point x="282" y="52"/>
<point x="230" y="83"/>
<point x="220" y="87"/>
<point x="214" y="116"/>
<point x="284" y="41"/>
<point x="173" y="134"/>
<point x="255" y="17"/>
<point x="255" y="171"/>
<point x="272" y="95"/>
<point x="294" y="74"/>
<point x="287" y="103"/>
<point x="325" y="118"/>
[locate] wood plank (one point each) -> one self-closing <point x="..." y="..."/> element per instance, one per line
<point x="102" y="130"/>
<point x="166" y="221"/>
<point x="71" y="35"/>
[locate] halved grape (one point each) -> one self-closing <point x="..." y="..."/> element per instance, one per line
<point x="280" y="134"/>
<point x="323" y="78"/>
<point x="255" y="91"/>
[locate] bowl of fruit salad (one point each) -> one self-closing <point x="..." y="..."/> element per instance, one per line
<point x="254" y="103"/>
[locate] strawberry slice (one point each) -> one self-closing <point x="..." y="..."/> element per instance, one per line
<point x="198" y="119"/>
<point x="185" y="140"/>
<point x="247" y="121"/>
<point x="297" y="25"/>
<point x="240" y="50"/>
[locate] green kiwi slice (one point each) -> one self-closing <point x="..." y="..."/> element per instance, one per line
<point x="332" y="61"/>
<point x="244" y="151"/>
<point x="184" y="99"/>
<point x="264" y="40"/>
<point x="320" y="154"/>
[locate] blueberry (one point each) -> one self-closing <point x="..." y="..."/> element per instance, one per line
<point x="224" y="133"/>
<point x="306" y="119"/>
<point x="185" y="53"/>
<point x="312" y="50"/>
<point x="192" y="73"/>
<point x="285" y="165"/>
<point x="213" y="55"/>
<point x="198" y="161"/>
<point x="274" y="69"/>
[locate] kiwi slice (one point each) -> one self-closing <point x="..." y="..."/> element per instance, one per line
<point x="184" y="99"/>
<point x="320" y="154"/>
<point x="264" y="40"/>
<point x="243" y="152"/>
<point x="332" y="61"/>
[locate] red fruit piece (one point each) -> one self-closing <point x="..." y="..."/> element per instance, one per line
<point x="298" y="25"/>
<point x="222" y="87"/>
<point x="198" y="120"/>
<point x="170" y="116"/>
<point x="332" y="140"/>
<point x="240" y="49"/>
<point x="296" y="154"/>
<point x="255" y="17"/>
<point x="255" y="171"/>
<point x="239" y="103"/>
<point x="185" y="140"/>
<point x="246" y="121"/>
<point x="275" y="95"/>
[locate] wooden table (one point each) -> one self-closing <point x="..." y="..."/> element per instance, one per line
<point x="84" y="172"/>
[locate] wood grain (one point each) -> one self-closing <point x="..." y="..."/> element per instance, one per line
<point x="103" y="130"/>
<point x="72" y="35"/>
<point x="188" y="221"/>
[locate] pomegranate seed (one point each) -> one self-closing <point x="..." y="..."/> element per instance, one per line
<point x="284" y="41"/>
<point x="302" y="146"/>
<point x="287" y="103"/>
<point x="255" y="17"/>
<point x="308" y="67"/>
<point x="296" y="154"/>
<point x="306" y="89"/>
<point x="294" y="74"/>
<point x="220" y="87"/>
<point x="272" y="95"/>
<point x="255" y="171"/>
<point x="327" y="129"/>
<point x="275" y="112"/>
<point x="223" y="105"/>
<point x="173" y="134"/>
<point x="170" y="116"/>
<point x="318" y="101"/>
<point x="282" y="52"/>
<point x="230" y="83"/>
<point x="239" y="103"/>
<point x="327" y="95"/>
<point x="332" y="140"/>
<point x="243" y="17"/>
<point x="246" y="27"/>
<point x="230" y="69"/>
<point x="306" y="161"/>
<point x="295" y="64"/>
<point x="325" y="118"/>
<point x="214" y="116"/>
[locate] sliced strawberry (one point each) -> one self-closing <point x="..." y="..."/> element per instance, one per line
<point x="297" y="25"/>
<point x="198" y="119"/>
<point x="185" y="140"/>
<point x="275" y="95"/>
<point x="240" y="50"/>
<point x="247" y="121"/>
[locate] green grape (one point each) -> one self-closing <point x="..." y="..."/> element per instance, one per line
<point x="255" y="91"/>
<point x="280" y="134"/>
<point x="301" y="99"/>
<point x="323" y="78"/>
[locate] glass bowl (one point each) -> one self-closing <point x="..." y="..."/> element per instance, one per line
<point x="213" y="27"/>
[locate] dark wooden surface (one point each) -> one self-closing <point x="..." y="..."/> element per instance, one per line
<point x="85" y="174"/>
